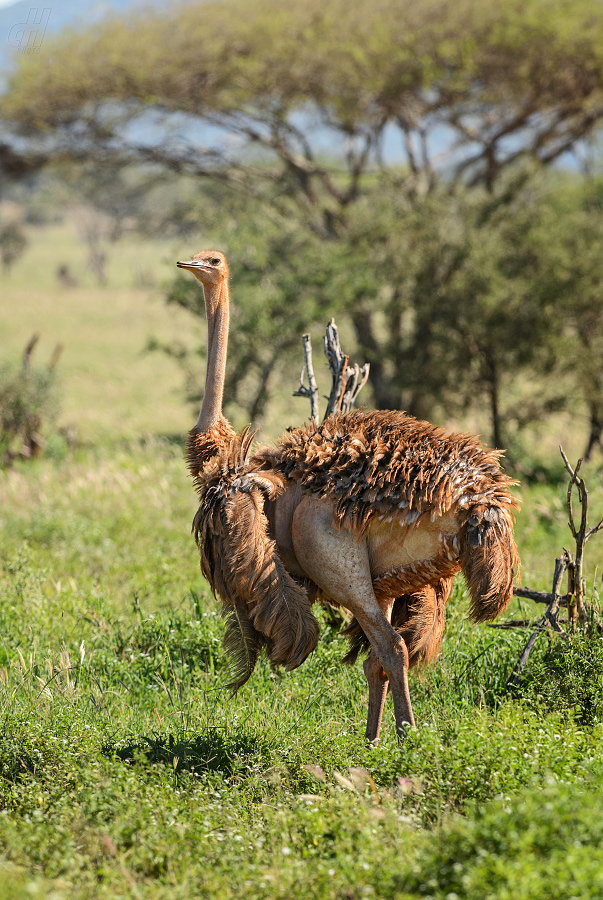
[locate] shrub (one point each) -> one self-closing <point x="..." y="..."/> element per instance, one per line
<point x="12" y="244"/>
<point x="569" y="677"/>
<point x="29" y="403"/>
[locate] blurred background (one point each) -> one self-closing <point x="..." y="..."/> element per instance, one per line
<point x="428" y="173"/>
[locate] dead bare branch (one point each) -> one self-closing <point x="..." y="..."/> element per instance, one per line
<point x="574" y="597"/>
<point x="594" y="530"/>
<point x="356" y="378"/>
<point x="543" y="597"/>
<point x="529" y="594"/>
<point x="338" y="362"/>
<point x="550" y="617"/>
<point x="346" y="381"/>
<point x="312" y="390"/>
<point x="577" y="611"/>
<point x="561" y="564"/>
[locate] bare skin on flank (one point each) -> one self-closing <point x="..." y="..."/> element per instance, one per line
<point x="340" y="565"/>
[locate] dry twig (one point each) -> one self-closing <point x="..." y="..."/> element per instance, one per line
<point x="550" y="617"/>
<point x="312" y="390"/>
<point x="346" y="381"/>
<point x="581" y="535"/>
<point x="574" y="597"/>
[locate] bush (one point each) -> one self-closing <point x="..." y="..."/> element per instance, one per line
<point x="568" y="677"/>
<point x="29" y="403"/>
<point x="541" y="843"/>
<point x="12" y="244"/>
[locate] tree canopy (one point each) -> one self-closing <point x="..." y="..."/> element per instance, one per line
<point x="447" y="262"/>
<point x="506" y="79"/>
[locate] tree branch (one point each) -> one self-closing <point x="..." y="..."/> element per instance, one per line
<point x="550" y="617"/>
<point x="581" y="536"/>
<point x="312" y="390"/>
<point x="346" y="381"/>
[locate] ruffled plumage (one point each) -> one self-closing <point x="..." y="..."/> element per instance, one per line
<point x="262" y="604"/>
<point x="388" y="466"/>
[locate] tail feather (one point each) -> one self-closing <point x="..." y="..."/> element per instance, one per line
<point x="421" y="621"/>
<point x="242" y="642"/>
<point x="278" y="606"/>
<point x="489" y="560"/>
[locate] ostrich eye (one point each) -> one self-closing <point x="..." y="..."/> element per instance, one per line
<point x="215" y="261"/>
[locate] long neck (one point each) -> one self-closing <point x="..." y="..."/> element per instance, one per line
<point x="218" y="315"/>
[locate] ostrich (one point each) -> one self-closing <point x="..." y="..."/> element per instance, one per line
<point x="372" y="511"/>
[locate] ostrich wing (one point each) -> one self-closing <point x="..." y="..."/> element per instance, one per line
<point x="263" y="604"/>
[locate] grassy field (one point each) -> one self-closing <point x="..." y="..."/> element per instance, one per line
<point x="125" y="768"/>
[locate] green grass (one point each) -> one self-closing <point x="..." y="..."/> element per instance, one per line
<point x="126" y="770"/>
<point x="113" y="389"/>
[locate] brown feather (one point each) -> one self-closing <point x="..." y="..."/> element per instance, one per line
<point x="242" y="642"/>
<point x="264" y="606"/>
<point x="407" y="468"/>
<point x="489" y="560"/>
<point x="389" y="466"/>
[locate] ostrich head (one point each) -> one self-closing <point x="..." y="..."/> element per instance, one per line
<point x="209" y="267"/>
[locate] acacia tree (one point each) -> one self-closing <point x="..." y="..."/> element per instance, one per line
<point x="465" y="302"/>
<point x="244" y="92"/>
<point x="506" y="83"/>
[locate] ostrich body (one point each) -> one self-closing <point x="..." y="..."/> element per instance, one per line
<point x="372" y="511"/>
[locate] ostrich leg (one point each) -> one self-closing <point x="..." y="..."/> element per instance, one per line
<point x="377" y="684"/>
<point x="390" y="648"/>
<point x="339" y="564"/>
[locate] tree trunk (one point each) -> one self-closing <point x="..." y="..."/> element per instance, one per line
<point x="595" y="437"/>
<point x="385" y="393"/>
<point x="262" y="394"/>
<point x="493" y="388"/>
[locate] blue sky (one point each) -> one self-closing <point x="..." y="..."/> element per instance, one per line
<point x="62" y="12"/>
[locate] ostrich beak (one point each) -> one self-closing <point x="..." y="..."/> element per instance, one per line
<point x="192" y="264"/>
